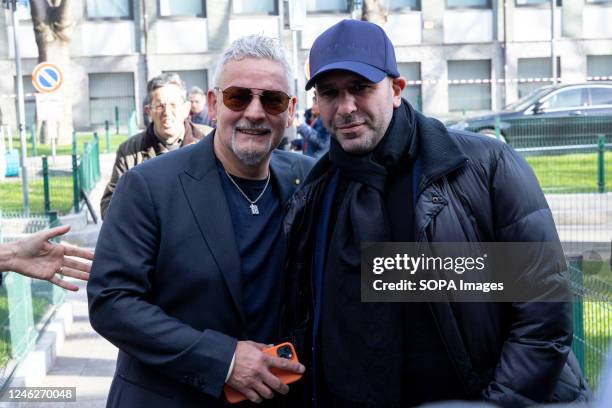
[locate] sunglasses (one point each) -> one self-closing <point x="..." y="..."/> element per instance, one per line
<point x="238" y="99"/>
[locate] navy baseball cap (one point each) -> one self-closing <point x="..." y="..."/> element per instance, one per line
<point x="352" y="45"/>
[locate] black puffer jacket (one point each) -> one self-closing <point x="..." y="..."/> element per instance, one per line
<point x="470" y="188"/>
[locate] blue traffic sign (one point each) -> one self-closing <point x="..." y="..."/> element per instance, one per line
<point x="47" y="77"/>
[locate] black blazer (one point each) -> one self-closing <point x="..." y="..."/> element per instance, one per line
<point x="165" y="285"/>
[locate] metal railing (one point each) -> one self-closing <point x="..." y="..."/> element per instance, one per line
<point x="572" y="168"/>
<point x="55" y="183"/>
<point x="536" y="132"/>
<point x="89" y="165"/>
<point x="113" y="132"/>
<point x="592" y="313"/>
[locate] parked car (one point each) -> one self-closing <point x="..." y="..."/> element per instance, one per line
<point x="554" y="115"/>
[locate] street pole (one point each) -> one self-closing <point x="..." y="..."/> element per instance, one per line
<point x="20" y="108"/>
<point x="297" y="18"/>
<point x="281" y="21"/>
<point x="294" y="41"/>
<point x="553" y="54"/>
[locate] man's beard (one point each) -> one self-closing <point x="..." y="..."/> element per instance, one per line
<point x="367" y="142"/>
<point x="250" y="157"/>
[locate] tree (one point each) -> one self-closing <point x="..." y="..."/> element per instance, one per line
<point x="53" y="30"/>
<point x="374" y="11"/>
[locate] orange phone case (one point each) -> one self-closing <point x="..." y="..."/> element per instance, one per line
<point x="233" y="397"/>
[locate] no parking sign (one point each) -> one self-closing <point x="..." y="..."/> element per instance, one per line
<point x="47" y="77"/>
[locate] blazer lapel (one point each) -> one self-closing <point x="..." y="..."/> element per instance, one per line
<point x="206" y="198"/>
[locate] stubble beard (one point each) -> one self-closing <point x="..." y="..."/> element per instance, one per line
<point x="247" y="156"/>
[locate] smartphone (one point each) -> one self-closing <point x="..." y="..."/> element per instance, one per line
<point x="283" y="350"/>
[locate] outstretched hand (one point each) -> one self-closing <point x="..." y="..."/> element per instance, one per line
<point x="36" y="257"/>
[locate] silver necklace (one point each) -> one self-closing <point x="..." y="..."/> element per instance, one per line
<point x="253" y="203"/>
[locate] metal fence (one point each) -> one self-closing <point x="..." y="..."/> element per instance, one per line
<point x="573" y="133"/>
<point x="50" y="187"/>
<point x="25" y="304"/>
<point x="592" y="313"/>
<point x="574" y="168"/>
<point x="55" y="183"/>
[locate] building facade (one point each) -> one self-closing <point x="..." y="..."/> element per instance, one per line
<point x="459" y="56"/>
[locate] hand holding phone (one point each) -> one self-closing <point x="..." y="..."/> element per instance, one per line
<point x="274" y="366"/>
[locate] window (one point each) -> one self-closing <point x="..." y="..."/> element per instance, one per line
<point x="403" y="4"/>
<point x="537" y="3"/>
<point x="600" y="96"/>
<point x="198" y="77"/>
<point x="570" y="98"/>
<point x="468" y="4"/>
<point x="108" y="90"/>
<point x="254" y="7"/>
<point x="599" y="66"/>
<point x="474" y="96"/>
<point x="185" y="8"/>
<point x="535" y="68"/>
<point x="412" y="92"/>
<point x="100" y="9"/>
<point x="316" y="6"/>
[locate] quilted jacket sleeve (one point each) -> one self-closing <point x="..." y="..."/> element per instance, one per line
<point x="539" y="340"/>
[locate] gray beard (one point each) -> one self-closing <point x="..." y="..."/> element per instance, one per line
<point x="249" y="158"/>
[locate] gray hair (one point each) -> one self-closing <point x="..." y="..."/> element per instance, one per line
<point x="253" y="46"/>
<point x="195" y="90"/>
<point x="165" y="79"/>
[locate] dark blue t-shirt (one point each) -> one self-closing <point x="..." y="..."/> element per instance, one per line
<point x="260" y="244"/>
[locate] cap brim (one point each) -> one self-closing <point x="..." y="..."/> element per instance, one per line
<point x="369" y="72"/>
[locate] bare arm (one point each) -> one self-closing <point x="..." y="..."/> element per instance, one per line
<point x="38" y="258"/>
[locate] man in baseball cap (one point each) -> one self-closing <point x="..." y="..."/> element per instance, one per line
<point x="394" y="175"/>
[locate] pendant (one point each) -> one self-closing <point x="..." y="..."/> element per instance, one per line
<point x="254" y="209"/>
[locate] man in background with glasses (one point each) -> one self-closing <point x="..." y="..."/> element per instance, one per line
<point x="187" y="280"/>
<point x="169" y="129"/>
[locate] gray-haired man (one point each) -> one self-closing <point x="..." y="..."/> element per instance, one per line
<point x="186" y="280"/>
<point x="168" y="130"/>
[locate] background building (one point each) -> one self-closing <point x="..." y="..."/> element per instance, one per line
<point x="441" y="46"/>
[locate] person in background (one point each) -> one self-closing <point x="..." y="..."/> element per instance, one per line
<point x="198" y="112"/>
<point x="309" y="115"/>
<point x="34" y="256"/>
<point x="314" y="141"/>
<point x="169" y="130"/>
